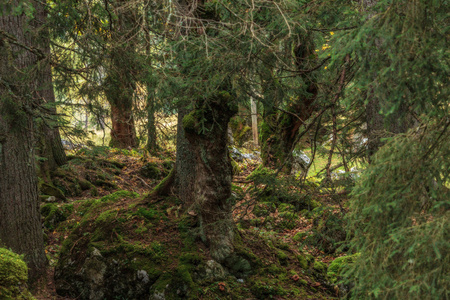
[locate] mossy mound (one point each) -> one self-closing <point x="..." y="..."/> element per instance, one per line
<point x="54" y="214"/>
<point x="125" y="248"/>
<point x="13" y="276"/>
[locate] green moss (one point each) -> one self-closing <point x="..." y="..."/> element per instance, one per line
<point x="285" y="207"/>
<point x="320" y="267"/>
<point x="148" y="213"/>
<point x="51" y="190"/>
<point x="54" y="214"/>
<point x="190" y="121"/>
<point x="13" y="276"/>
<point x="300" y="236"/>
<point x="302" y="261"/>
<point x="266" y="288"/>
<point x="259" y="173"/>
<point x="283" y="258"/>
<point x="106" y="217"/>
<point x="151" y="170"/>
<point x="337" y="265"/>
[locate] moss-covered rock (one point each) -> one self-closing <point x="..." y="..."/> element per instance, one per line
<point x="48" y="189"/>
<point x="54" y="214"/>
<point x="13" y="276"/>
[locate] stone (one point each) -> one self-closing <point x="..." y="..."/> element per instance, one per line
<point x="301" y="162"/>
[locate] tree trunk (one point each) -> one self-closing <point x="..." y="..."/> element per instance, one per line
<point x="213" y="173"/>
<point x="20" y="224"/>
<point x="152" y="146"/>
<point x="120" y="84"/>
<point x="185" y="163"/>
<point x="280" y="128"/>
<point x="123" y="132"/>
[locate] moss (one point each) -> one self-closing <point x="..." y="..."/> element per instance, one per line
<point x="151" y="170"/>
<point x="242" y="135"/>
<point x="47" y="189"/>
<point x="149" y="213"/>
<point x="54" y="214"/>
<point x="320" y="267"/>
<point x="236" y="167"/>
<point x="266" y="288"/>
<point x="190" y="121"/>
<point x="13" y="276"/>
<point x="300" y="236"/>
<point x="337" y="265"/>
<point x="303" y="262"/>
<point x="285" y="207"/>
<point x="106" y="217"/>
<point x="118" y="196"/>
<point x="283" y="258"/>
<point x="259" y="173"/>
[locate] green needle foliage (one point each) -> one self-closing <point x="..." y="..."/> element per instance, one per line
<point x="399" y="219"/>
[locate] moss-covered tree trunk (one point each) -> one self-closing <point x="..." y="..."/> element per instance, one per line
<point x="213" y="173"/>
<point x="280" y="127"/>
<point x="20" y="79"/>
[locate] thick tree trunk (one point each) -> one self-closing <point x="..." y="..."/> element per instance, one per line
<point x="20" y="224"/>
<point x="185" y="164"/>
<point x="123" y="132"/>
<point x="213" y="173"/>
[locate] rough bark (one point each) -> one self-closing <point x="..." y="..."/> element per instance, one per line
<point x="50" y="145"/>
<point x="20" y="225"/>
<point x="185" y="163"/>
<point x="213" y="173"/>
<point x="122" y="72"/>
<point x="152" y="146"/>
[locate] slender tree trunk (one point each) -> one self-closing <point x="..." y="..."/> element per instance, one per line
<point x="152" y="146"/>
<point x="20" y="225"/>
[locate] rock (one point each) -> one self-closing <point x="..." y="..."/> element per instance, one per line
<point x="210" y="271"/>
<point x="238" y="266"/>
<point x="301" y="162"/>
<point x="99" y="277"/>
<point x="236" y="154"/>
<point x="50" y="190"/>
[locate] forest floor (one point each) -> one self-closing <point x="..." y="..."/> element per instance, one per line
<point x="267" y="211"/>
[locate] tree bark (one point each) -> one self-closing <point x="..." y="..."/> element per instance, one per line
<point x="185" y="164"/>
<point x="213" y="173"/>
<point x="122" y="71"/>
<point x="20" y="225"/>
<point x="50" y="145"/>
